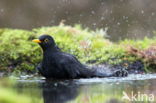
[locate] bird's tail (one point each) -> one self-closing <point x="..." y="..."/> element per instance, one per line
<point x="108" y="71"/>
<point x="102" y="71"/>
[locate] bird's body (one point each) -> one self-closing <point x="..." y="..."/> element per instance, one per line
<point x="60" y="65"/>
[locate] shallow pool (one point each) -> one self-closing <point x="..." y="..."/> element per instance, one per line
<point x="134" y="88"/>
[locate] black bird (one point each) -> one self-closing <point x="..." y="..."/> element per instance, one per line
<point x="60" y="65"/>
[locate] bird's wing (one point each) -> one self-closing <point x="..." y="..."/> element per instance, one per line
<point x="39" y="68"/>
<point x="74" y="68"/>
<point x="70" y="65"/>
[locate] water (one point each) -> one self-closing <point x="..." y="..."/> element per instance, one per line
<point x="94" y="90"/>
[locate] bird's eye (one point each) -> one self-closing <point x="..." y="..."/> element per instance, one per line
<point x="46" y="40"/>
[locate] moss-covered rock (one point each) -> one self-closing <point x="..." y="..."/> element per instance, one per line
<point x="19" y="53"/>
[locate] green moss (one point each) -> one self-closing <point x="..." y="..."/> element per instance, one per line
<point x="18" y="52"/>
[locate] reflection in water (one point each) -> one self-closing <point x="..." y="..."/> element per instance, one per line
<point x="59" y="92"/>
<point x="71" y="92"/>
<point x="95" y="90"/>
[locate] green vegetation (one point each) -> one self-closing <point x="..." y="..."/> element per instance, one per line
<point x="8" y="94"/>
<point x="19" y="53"/>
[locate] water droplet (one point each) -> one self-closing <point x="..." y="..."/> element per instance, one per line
<point x="102" y="18"/>
<point x="81" y="15"/>
<point x="52" y="21"/>
<point x="118" y="23"/>
<point x="94" y="24"/>
<point x="93" y="12"/>
<point x="124" y="17"/>
<point x="153" y="13"/>
<point x="142" y="12"/>
<point x="55" y="84"/>
<point x="126" y="20"/>
<point x="102" y="3"/>
<point x="1" y="10"/>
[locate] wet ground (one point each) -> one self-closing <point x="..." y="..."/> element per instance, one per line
<point x="136" y="88"/>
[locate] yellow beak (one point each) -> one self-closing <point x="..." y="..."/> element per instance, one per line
<point x="36" y="41"/>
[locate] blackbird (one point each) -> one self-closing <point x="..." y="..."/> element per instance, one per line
<point x="60" y="65"/>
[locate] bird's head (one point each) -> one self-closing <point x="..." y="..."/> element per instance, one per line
<point x="45" y="41"/>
